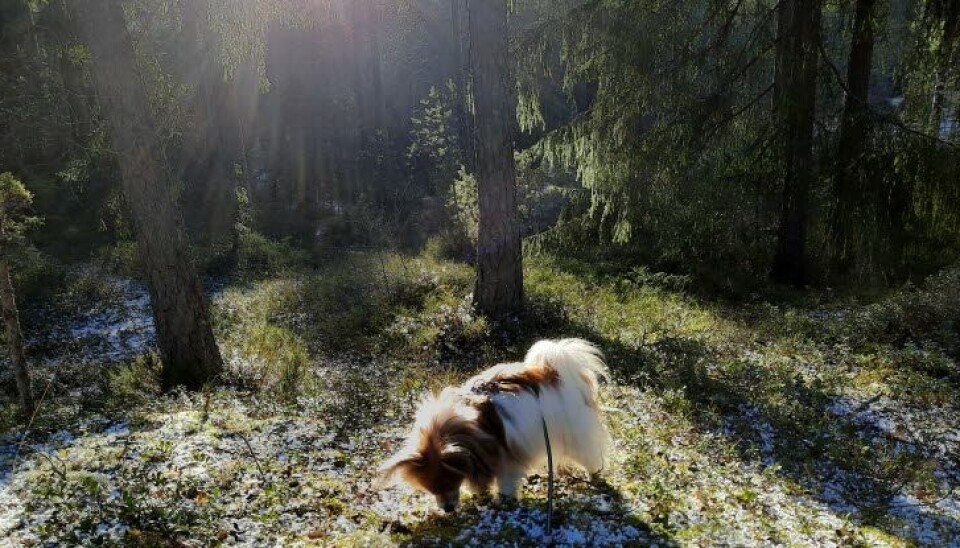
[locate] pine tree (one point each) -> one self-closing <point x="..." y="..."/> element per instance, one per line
<point x="854" y="131"/>
<point x="15" y="200"/>
<point x="499" y="288"/>
<point x="189" y="352"/>
<point x="796" y="95"/>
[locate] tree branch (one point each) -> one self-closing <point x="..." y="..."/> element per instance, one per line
<point x="891" y="120"/>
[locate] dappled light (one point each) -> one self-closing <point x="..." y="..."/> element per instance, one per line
<point x="479" y="273"/>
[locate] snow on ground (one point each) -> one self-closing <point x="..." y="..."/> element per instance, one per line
<point x="118" y="334"/>
<point x="114" y="328"/>
<point x="248" y="472"/>
<point x="930" y="431"/>
<point x="251" y="475"/>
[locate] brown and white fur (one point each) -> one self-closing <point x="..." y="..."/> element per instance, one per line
<point x="490" y="429"/>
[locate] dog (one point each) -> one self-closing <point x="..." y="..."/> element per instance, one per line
<point x="490" y="429"/>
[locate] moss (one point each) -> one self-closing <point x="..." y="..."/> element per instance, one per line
<point x="717" y="412"/>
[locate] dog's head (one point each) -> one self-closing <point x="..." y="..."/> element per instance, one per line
<point x="445" y="449"/>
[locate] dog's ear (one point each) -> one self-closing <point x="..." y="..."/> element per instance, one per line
<point x="458" y="459"/>
<point x="404" y="460"/>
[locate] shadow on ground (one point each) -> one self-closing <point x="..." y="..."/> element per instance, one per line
<point x="774" y="416"/>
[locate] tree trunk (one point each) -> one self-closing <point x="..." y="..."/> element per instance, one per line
<point x="365" y="28"/>
<point x="499" y="289"/>
<point x="460" y="64"/>
<point x="210" y="147"/>
<point x="944" y="60"/>
<point x="180" y="311"/>
<point x="797" y="59"/>
<point x="854" y="131"/>
<point x="11" y="322"/>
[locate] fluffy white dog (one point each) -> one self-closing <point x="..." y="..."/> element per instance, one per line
<point x="491" y="428"/>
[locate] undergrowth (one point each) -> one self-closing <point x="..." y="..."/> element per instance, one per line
<point x="698" y="386"/>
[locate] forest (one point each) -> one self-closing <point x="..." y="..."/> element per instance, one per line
<point x="240" y="240"/>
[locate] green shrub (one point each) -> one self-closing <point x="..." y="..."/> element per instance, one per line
<point x="86" y="287"/>
<point x="122" y="259"/>
<point x="274" y="359"/>
<point x="348" y="304"/>
<point x="216" y="256"/>
<point x="464" y="206"/>
<point x="263" y="256"/>
<point x="133" y="383"/>
<point x="446" y="332"/>
<point x="922" y="316"/>
<point x="36" y="274"/>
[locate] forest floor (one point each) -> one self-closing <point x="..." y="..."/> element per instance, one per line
<point x="791" y="421"/>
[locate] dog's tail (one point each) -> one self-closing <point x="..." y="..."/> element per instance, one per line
<point x="576" y="360"/>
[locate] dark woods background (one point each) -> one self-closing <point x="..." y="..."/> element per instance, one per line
<point x="814" y="142"/>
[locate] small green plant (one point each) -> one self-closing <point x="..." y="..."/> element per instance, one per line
<point x="134" y="383"/>
<point x="463" y="205"/>
<point x="435" y="153"/>
<point x="15" y="201"/>
<point x="122" y="259"/>
<point x="261" y="256"/>
<point x="280" y="358"/>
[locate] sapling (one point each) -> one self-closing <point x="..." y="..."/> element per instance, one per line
<point x="15" y="201"/>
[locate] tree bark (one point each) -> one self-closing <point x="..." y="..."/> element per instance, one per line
<point x="180" y="311"/>
<point x="797" y="58"/>
<point x="944" y="60"/>
<point x="365" y="28"/>
<point x="460" y="64"/>
<point x="854" y="131"/>
<point x="499" y="288"/>
<point x="211" y="146"/>
<point x="11" y="322"/>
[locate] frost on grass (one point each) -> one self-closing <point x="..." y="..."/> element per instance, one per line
<point x="528" y="526"/>
<point x="113" y="326"/>
<point x="930" y="517"/>
<point x="234" y="467"/>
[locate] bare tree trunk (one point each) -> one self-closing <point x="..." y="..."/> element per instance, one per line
<point x="460" y="64"/>
<point x="499" y="289"/>
<point x="854" y="131"/>
<point x="211" y="148"/>
<point x="11" y="323"/>
<point x="945" y="50"/>
<point x="364" y="28"/>
<point x="187" y="346"/>
<point x="797" y="59"/>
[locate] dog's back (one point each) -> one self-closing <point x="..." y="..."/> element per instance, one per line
<point x="558" y="382"/>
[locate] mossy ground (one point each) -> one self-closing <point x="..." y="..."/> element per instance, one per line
<point x="779" y="421"/>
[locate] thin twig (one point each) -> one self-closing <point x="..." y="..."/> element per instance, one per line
<point x="26" y="432"/>
<point x="62" y="474"/>
<point x="253" y="455"/>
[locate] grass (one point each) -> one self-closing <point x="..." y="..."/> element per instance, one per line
<point x="791" y="422"/>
